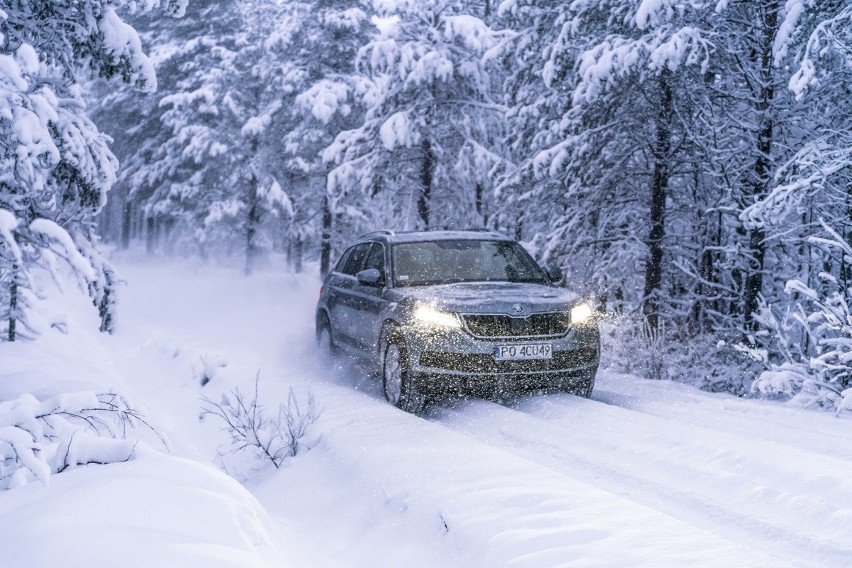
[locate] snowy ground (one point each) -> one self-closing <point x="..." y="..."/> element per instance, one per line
<point x="644" y="474"/>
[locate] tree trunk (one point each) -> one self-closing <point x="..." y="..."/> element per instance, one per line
<point x="479" y="193"/>
<point x="253" y="218"/>
<point x="325" y="237"/>
<point x="126" y="217"/>
<point x="427" y="168"/>
<point x="106" y="307"/>
<point x="298" y="254"/>
<point x="252" y="222"/>
<point x="166" y="229"/>
<point x="150" y="235"/>
<point x="762" y="164"/>
<point x="13" y="302"/>
<point x="659" y="188"/>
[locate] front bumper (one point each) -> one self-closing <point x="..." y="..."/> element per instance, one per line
<point x="453" y="362"/>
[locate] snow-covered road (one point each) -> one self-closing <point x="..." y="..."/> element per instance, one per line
<point x="643" y="474"/>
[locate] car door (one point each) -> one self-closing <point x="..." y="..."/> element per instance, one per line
<point x="370" y="300"/>
<point x="344" y="297"/>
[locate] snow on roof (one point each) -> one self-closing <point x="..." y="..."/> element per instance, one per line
<point x="423" y="236"/>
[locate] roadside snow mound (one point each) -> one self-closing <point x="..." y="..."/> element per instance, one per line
<point x="156" y="510"/>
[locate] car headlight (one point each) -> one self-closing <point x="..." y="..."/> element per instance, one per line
<point x="581" y="313"/>
<point x="433" y="317"/>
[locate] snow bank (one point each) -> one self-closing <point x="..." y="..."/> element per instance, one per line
<point x="155" y="511"/>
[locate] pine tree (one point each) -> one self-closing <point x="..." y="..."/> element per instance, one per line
<point x="55" y="166"/>
<point x="428" y="133"/>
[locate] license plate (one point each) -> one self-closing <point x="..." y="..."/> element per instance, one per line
<point x="523" y="351"/>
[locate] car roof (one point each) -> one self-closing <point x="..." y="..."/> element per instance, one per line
<point x="425" y="236"/>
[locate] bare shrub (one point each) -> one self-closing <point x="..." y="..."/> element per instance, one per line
<point x="632" y="346"/>
<point x="256" y="438"/>
<point x="705" y="360"/>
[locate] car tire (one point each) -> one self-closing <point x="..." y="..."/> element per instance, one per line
<point x="325" y="337"/>
<point x="397" y="384"/>
<point x="584" y="386"/>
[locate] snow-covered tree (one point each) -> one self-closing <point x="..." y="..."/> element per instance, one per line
<point x="604" y="96"/>
<point x="229" y="149"/>
<point x="329" y="102"/>
<point x="55" y="166"/>
<point x="307" y="69"/>
<point x="807" y="342"/>
<point x="429" y="132"/>
<point x="813" y="39"/>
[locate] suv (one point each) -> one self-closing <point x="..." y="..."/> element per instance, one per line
<point x="456" y="313"/>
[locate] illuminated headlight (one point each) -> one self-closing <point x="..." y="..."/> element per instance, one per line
<point x="433" y="317"/>
<point x="581" y="313"/>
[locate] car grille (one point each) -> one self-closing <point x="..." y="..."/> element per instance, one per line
<point x="508" y="326"/>
<point x="485" y="363"/>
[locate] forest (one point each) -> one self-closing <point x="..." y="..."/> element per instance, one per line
<point x="688" y="163"/>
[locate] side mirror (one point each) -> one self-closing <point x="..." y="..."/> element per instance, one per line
<point x="554" y="273"/>
<point x="369" y="277"/>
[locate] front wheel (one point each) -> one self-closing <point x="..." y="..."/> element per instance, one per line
<point x="583" y="387"/>
<point x="399" y="389"/>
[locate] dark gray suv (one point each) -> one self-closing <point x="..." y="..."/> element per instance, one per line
<point x="456" y="313"/>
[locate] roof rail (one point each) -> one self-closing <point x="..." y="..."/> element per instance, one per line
<point x="386" y="232"/>
<point x="482" y="230"/>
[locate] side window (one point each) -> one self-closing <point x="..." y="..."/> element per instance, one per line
<point x="376" y="258"/>
<point x="356" y="259"/>
<point x="342" y="262"/>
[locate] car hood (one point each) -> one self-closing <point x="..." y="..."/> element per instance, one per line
<point x="510" y="298"/>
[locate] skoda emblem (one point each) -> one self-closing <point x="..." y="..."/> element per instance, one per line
<point x="517" y="309"/>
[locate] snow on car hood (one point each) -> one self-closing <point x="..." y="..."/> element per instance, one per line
<point x="493" y="297"/>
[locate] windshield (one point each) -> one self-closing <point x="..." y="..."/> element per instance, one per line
<point x="447" y="262"/>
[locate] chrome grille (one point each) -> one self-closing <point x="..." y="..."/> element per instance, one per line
<point x="541" y="325"/>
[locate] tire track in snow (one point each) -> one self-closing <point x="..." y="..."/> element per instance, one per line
<point x="499" y="508"/>
<point x="770" y="421"/>
<point x="667" y="473"/>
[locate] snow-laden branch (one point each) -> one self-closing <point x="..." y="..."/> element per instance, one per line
<point x="41" y="438"/>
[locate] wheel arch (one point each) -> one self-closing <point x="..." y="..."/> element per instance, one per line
<point x="389" y="328"/>
<point x="322" y="317"/>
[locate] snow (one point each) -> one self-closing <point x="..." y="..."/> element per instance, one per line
<point x="646" y="473"/>
<point x="398" y="131"/>
<point x="122" y="42"/>
<point x="9" y="223"/>
<point x="471" y="31"/>
<point x="325" y="99"/>
<point x="28" y="59"/>
<point x="56" y="233"/>
<point x="793" y="10"/>
<point x="276" y="198"/>
<point x="257" y="125"/>
<point x="685" y="46"/>
<point x="349" y="19"/>
<point x="155" y="511"/>
<point x="648" y="12"/>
